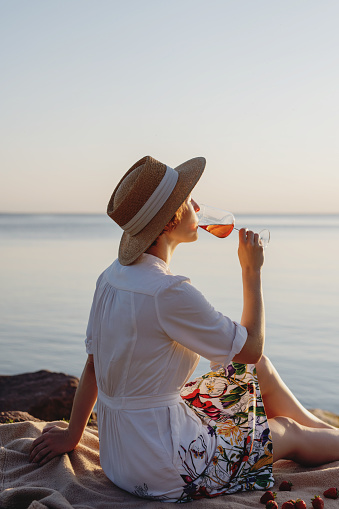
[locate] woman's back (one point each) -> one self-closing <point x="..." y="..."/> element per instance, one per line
<point x="140" y="371"/>
<point x="133" y="355"/>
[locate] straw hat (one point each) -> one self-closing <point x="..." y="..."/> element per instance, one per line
<point x="146" y="199"/>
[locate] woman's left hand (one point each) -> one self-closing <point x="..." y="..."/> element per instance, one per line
<point x="53" y="442"/>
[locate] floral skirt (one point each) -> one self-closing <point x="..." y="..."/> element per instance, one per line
<point x="229" y="402"/>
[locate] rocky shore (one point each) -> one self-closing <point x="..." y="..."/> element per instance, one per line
<point x="48" y="396"/>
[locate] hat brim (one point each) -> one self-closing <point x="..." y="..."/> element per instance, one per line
<point x="131" y="247"/>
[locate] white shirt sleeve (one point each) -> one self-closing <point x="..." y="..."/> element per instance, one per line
<point x="89" y="331"/>
<point x="188" y="318"/>
<point x="89" y="338"/>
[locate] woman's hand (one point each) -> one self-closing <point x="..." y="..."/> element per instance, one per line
<point x="250" y="251"/>
<point x="53" y="442"/>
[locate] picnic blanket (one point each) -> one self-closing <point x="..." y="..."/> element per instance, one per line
<point x="75" y="480"/>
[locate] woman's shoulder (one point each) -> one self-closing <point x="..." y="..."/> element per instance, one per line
<point x="180" y="291"/>
<point x="174" y="283"/>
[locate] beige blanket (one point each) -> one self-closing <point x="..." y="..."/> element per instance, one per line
<point x="76" y="479"/>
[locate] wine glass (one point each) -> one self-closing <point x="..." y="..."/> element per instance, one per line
<point x="221" y="223"/>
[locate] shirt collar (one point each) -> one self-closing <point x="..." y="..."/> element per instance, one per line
<point x="154" y="261"/>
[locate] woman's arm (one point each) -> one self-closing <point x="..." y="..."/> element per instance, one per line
<point x="54" y="440"/>
<point x="251" y="257"/>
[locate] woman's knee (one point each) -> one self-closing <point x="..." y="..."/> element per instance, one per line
<point x="264" y="364"/>
<point x="264" y="370"/>
<point x="287" y="436"/>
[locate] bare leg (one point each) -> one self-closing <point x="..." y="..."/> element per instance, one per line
<point x="305" y="445"/>
<point x="278" y="399"/>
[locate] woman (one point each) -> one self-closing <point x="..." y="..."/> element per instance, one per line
<point x="160" y="438"/>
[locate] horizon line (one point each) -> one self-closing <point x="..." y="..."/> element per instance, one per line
<point x="54" y="213"/>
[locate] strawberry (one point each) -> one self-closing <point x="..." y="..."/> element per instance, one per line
<point x="317" y="502"/>
<point x="331" y="493"/>
<point x="271" y="504"/>
<point x="285" y="486"/>
<point x="300" y="504"/>
<point x="288" y="505"/>
<point x="268" y="495"/>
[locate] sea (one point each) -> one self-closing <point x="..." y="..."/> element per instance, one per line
<point x="50" y="264"/>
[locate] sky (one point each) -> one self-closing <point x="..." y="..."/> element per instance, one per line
<point x="90" y="87"/>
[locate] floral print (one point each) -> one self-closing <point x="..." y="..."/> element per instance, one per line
<point x="143" y="492"/>
<point x="229" y="402"/>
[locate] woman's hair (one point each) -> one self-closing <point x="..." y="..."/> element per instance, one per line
<point x="173" y="222"/>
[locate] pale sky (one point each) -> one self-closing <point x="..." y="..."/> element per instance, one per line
<point x="90" y="87"/>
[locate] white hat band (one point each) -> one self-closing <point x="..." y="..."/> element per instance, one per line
<point x="153" y="204"/>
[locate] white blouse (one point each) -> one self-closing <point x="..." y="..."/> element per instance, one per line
<point x="146" y="331"/>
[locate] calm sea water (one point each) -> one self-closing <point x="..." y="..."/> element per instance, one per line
<point x="50" y="263"/>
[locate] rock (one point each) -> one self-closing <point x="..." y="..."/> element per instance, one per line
<point x="16" y="416"/>
<point x="45" y="395"/>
